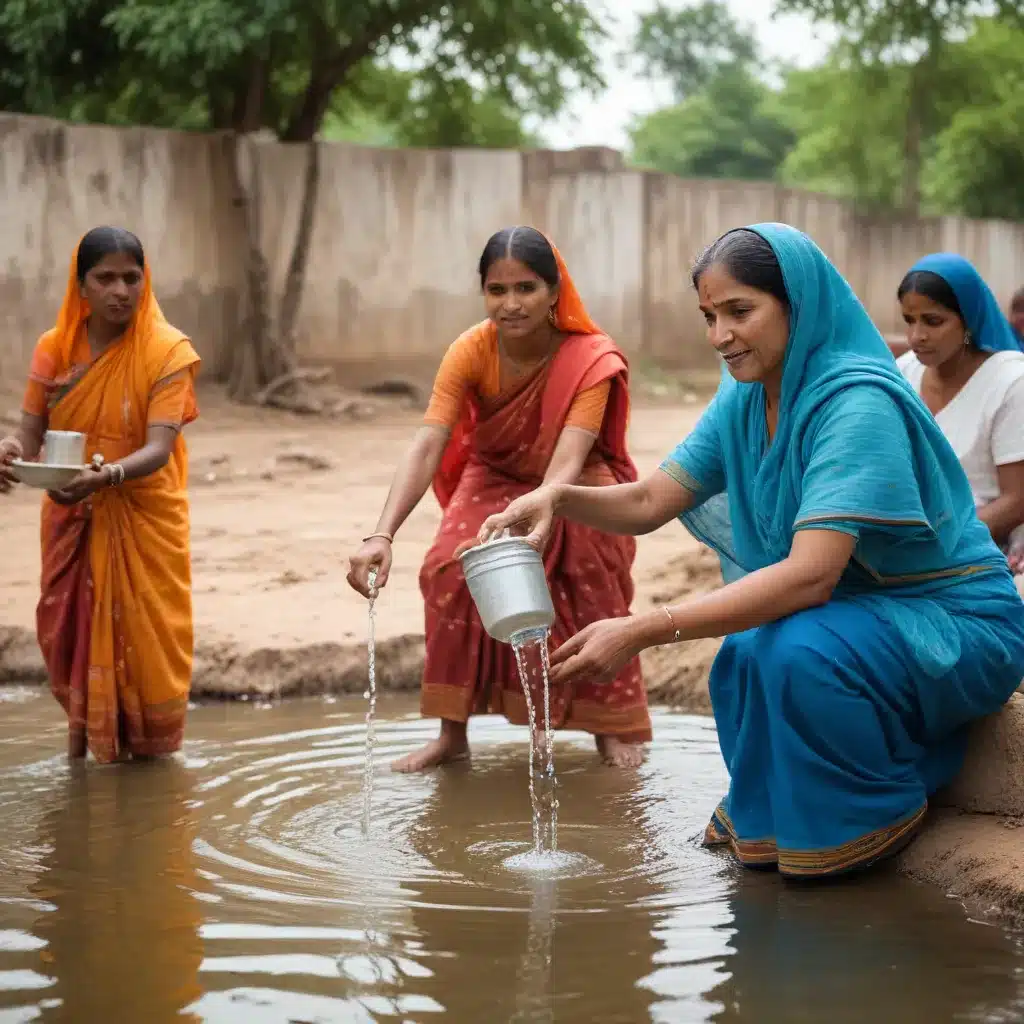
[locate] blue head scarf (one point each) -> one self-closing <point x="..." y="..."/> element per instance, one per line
<point x="990" y="330"/>
<point x="895" y="474"/>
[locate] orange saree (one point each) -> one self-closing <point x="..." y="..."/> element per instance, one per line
<point x="500" y="449"/>
<point x="114" y="619"/>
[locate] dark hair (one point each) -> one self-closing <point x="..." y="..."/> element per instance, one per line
<point x="106" y="241"/>
<point x="525" y="244"/>
<point x="748" y="258"/>
<point x="1018" y="298"/>
<point x="931" y="286"/>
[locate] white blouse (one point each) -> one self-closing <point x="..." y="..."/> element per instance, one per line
<point x="984" y="422"/>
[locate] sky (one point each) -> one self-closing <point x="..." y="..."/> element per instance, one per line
<point x="603" y="121"/>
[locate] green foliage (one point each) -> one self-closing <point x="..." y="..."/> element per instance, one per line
<point x="878" y="27"/>
<point x="730" y="129"/>
<point x="725" y="123"/>
<point x="690" y="46"/>
<point x="978" y="155"/>
<point x="910" y="40"/>
<point x="405" y="108"/>
<point x="280" y="64"/>
<point x="850" y="121"/>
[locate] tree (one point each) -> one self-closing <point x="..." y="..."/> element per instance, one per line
<point x="689" y="47"/>
<point x="850" y="123"/>
<point x="242" y="66"/>
<point x="421" y="108"/>
<point x="977" y="156"/>
<point x="730" y="129"/>
<point x="911" y="32"/>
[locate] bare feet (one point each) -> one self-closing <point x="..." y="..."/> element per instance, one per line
<point x="619" y="754"/>
<point x="451" y="745"/>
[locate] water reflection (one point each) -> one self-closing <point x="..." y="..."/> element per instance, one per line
<point x="507" y="946"/>
<point x="122" y="935"/>
<point x="804" y="954"/>
<point x="242" y="889"/>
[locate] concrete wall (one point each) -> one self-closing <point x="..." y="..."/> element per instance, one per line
<point x="398" y="233"/>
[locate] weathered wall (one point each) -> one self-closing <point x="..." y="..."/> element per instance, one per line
<point x="57" y="181"/>
<point x="398" y="233"/>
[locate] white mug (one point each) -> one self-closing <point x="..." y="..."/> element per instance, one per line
<point x="64" y="448"/>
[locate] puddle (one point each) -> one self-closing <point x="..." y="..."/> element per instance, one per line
<point x="239" y="886"/>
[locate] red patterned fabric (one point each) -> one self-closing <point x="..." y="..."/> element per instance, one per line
<point x="500" y="450"/>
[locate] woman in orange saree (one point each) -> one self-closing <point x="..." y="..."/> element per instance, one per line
<point x="534" y="393"/>
<point x="114" y="618"/>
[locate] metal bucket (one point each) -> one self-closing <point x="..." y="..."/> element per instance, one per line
<point x="64" y="448"/>
<point x="507" y="583"/>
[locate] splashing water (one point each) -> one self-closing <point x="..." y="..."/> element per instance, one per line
<point x="545" y="832"/>
<point x="371" y="695"/>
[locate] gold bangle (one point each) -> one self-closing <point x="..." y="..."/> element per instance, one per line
<point x="383" y="534"/>
<point x="676" y="635"/>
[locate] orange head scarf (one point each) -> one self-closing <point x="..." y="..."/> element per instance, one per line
<point x="148" y="321"/>
<point x="570" y="313"/>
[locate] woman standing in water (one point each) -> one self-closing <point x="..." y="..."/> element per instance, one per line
<point x="965" y="361"/>
<point x="868" y="615"/>
<point x="115" y="616"/>
<point x="534" y="394"/>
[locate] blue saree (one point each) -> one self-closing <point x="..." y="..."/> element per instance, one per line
<point x="837" y="723"/>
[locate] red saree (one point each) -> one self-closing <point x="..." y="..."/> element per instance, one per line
<point x="501" y="449"/>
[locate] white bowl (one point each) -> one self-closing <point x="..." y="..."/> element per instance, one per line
<point x="43" y="475"/>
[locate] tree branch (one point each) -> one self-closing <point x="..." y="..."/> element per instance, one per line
<point x="329" y="71"/>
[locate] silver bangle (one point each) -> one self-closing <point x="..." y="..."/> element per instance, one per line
<point x="116" y="474"/>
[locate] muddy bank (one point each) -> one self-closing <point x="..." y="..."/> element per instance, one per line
<point x="973" y="845"/>
<point x="226" y="671"/>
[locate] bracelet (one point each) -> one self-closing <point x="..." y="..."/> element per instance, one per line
<point x="383" y="534"/>
<point x="116" y="474"/>
<point x="676" y="634"/>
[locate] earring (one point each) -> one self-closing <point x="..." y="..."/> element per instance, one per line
<point x="551" y="316"/>
<point x="967" y="339"/>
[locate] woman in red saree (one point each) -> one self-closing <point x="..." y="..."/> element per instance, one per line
<point x="115" y="614"/>
<point x="536" y="393"/>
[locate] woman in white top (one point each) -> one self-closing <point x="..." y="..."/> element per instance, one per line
<point x="965" y="361"/>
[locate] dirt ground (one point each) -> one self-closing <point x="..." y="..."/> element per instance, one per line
<point x="278" y="503"/>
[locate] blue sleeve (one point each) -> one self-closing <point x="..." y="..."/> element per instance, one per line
<point x="697" y="462"/>
<point x="859" y="474"/>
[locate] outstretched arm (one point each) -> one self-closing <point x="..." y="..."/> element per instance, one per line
<point x="636" y="508"/>
<point x="805" y="579"/>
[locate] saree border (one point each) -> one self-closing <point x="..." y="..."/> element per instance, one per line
<point x="851" y="856"/>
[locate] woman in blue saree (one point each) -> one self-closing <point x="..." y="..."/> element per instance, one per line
<point x="869" y="616"/>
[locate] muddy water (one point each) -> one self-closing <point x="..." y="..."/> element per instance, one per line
<point x="238" y="887"/>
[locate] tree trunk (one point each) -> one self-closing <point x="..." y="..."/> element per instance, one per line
<point x="257" y="358"/>
<point x="910" y="190"/>
<point x="296" y="276"/>
<point x="264" y="355"/>
<point x="920" y="118"/>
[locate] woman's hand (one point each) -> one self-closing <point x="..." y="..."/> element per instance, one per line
<point x="87" y="483"/>
<point x="375" y="553"/>
<point x="10" y="449"/>
<point x="531" y="516"/>
<point x="597" y="653"/>
<point x="1016" y="560"/>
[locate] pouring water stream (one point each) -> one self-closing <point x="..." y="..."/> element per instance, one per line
<point x="370" y="694"/>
